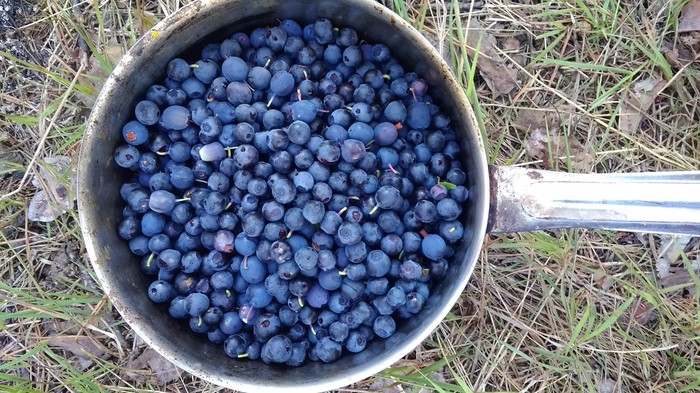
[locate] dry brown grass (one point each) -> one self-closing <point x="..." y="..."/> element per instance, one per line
<point x="571" y="310"/>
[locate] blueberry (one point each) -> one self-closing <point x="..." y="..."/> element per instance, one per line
<point x="234" y="69"/>
<point x="298" y="356"/>
<point x="328" y="152"/>
<point x="169" y="260"/>
<point x="433" y="247"/>
<point x="196" y="304"/>
<point x="414" y="302"/>
<point x="377" y="286"/>
<point x="448" y="209"/>
<point x="378" y="263"/>
<point x="266" y="326"/>
<point x="160" y="291"/>
<point x="314" y="211"/>
<point x="135" y="133"/>
<point x="236" y="345"/>
<point x="349" y="233"/>
<point x="355" y="342"/>
<point x="328" y="350"/>
<point x="174" y="117"/>
<point x="129" y="228"/>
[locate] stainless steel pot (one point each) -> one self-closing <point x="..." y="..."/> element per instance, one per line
<point x="502" y="199"/>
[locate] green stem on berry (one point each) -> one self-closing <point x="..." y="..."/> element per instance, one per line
<point x="447" y="185"/>
<point x="341" y="211"/>
<point x="182" y="200"/>
<point x="246" y="317"/>
<point x="301" y="301"/>
<point x="374" y="209"/>
<point x="150" y="259"/>
<point x="243" y="355"/>
<point x="229" y="149"/>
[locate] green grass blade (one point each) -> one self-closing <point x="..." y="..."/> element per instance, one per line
<point x="610" y="320"/>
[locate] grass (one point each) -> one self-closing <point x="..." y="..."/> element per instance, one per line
<point x="561" y="311"/>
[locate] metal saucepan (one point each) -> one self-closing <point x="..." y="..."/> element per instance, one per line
<point x="502" y="199"/>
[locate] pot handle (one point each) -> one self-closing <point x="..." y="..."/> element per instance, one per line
<point x="658" y="202"/>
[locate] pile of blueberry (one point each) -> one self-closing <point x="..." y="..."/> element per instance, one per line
<point x="295" y="192"/>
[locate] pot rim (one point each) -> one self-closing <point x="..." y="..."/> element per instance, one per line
<point x="97" y="251"/>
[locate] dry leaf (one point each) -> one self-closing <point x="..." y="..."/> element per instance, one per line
<point x="386" y="386"/>
<point x="511" y="44"/>
<point x="53" y="178"/>
<point x="163" y="371"/>
<point x="606" y="386"/>
<point x="696" y="264"/>
<point x="533" y="119"/>
<point x="663" y="267"/>
<point x="671" y="55"/>
<point x="637" y="102"/>
<point x="602" y="279"/>
<point x="680" y="277"/>
<point x="644" y="312"/>
<point x="672" y="246"/>
<point x="41" y="209"/>
<point x="544" y="138"/>
<point x="440" y="45"/>
<point x="642" y="238"/>
<point x="82" y="347"/>
<point x="94" y="74"/>
<point x="499" y="76"/>
<point x="114" y="51"/>
<point x="669" y="251"/>
<point x="53" y="198"/>
<point x="682" y="280"/>
<point x="690" y="17"/>
<point x="677" y="55"/>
